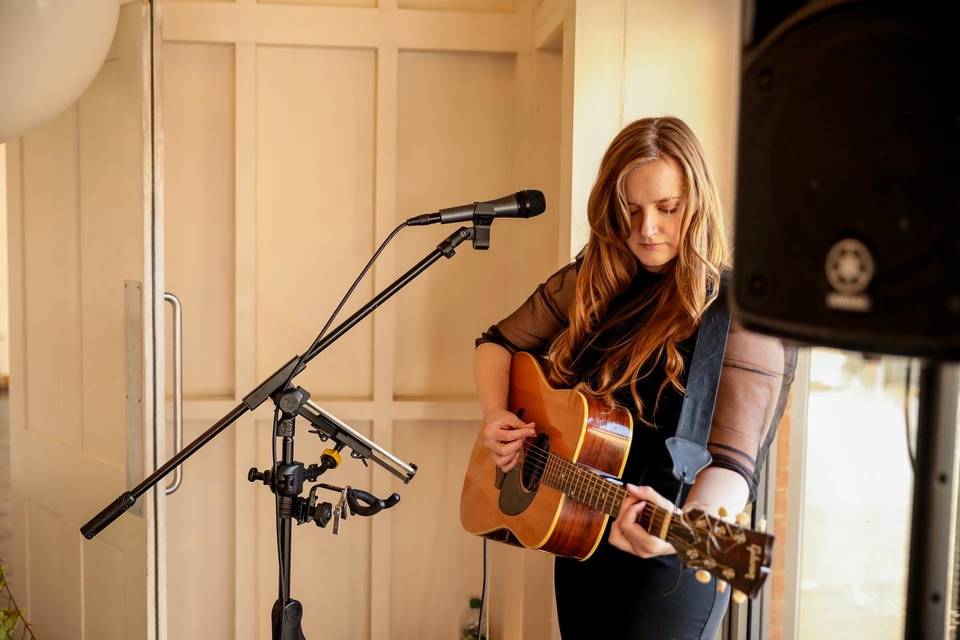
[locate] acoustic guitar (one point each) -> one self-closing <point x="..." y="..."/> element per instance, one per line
<point x="561" y="494"/>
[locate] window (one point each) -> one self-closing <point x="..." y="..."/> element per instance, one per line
<point x="858" y="487"/>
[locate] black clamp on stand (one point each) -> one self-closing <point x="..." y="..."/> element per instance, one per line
<point x="288" y="478"/>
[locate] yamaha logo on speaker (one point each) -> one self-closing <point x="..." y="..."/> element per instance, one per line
<point x="850" y="269"/>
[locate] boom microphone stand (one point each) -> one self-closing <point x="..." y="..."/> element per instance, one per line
<point x="287" y="479"/>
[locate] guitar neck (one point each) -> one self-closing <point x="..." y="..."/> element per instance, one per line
<point x="600" y="494"/>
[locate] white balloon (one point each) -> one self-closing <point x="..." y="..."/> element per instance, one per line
<point x="50" y="52"/>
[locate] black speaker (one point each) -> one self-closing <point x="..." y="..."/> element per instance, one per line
<point x="847" y="217"/>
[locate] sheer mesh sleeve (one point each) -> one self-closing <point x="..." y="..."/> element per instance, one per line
<point x="752" y="394"/>
<point x="540" y="318"/>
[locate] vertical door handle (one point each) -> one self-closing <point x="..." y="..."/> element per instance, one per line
<point x="177" y="386"/>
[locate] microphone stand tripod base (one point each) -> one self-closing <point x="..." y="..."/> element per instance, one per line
<point x="286" y="620"/>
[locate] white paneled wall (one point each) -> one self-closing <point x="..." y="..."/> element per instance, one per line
<point x="297" y="135"/>
<point x="80" y="216"/>
<point x="315" y="150"/>
<point x="456" y="137"/>
<point x="4" y="270"/>
<point x="198" y="138"/>
<point x="701" y="84"/>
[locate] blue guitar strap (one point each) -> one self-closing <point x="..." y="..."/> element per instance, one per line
<point x="688" y="447"/>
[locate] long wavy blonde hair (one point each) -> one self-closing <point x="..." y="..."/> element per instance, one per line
<point x="690" y="283"/>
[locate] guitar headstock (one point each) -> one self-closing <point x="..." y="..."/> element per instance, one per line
<point x="729" y="551"/>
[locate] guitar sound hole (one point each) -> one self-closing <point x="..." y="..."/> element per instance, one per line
<point x="534" y="461"/>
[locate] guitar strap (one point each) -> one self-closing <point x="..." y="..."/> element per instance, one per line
<point x="688" y="447"/>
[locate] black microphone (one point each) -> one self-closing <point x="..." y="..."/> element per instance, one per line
<point x="522" y="204"/>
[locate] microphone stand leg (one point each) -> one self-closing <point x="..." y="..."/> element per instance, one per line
<point x="286" y="621"/>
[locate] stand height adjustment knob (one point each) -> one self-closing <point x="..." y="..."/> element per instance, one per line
<point x="263" y="476"/>
<point x="322" y="514"/>
<point x="291" y="401"/>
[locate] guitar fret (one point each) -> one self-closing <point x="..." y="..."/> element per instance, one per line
<point x="612" y="497"/>
<point x="579" y="488"/>
<point x="597" y="492"/>
<point x="554" y="471"/>
<point x="585" y="487"/>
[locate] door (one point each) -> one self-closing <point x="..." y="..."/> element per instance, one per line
<point x="83" y="302"/>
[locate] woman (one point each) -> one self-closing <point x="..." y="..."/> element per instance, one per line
<point x="620" y="324"/>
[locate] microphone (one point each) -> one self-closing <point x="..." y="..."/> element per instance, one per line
<point x="522" y="204"/>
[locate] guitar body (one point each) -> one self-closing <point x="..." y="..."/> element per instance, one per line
<point x="518" y="509"/>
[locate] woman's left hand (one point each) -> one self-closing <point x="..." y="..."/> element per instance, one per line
<point x="626" y="533"/>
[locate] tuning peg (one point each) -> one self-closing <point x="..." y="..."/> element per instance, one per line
<point x="743" y="519"/>
<point x="762" y="525"/>
<point x="721" y="586"/>
<point x="702" y="576"/>
<point x="722" y="512"/>
<point x="739" y="596"/>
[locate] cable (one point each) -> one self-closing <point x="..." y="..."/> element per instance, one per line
<point x="483" y="597"/>
<point x="906" y="417"/>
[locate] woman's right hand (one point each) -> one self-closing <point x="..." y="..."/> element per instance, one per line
<point x="503" y="436"/>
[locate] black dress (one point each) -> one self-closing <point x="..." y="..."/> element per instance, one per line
<point x="614" y="594"/>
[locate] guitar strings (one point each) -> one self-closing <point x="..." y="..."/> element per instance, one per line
<point x="541" y="459"/>
<point x="594" y="485"/>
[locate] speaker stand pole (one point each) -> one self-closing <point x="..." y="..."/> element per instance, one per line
<point x="933" y="514"/>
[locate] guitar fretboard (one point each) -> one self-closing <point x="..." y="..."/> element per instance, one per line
<point x="598" y="493"/>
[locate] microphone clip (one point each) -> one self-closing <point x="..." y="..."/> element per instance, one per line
<point x="482" y="220"/>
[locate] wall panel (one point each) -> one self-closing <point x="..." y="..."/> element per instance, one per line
<point x="79" y="207"/>
<point x="315" y="132"/>
<point x="700" y="83"/>
<point x="101" y="215"/>
<point x="103" y="576"/>
<point x="325" y="3"/>
<point x="55" y="596"/>
<point x="460" y="5"/>
<point x="199" y="190"/>
<point x="539" y="236"/>
<point x="455" y="145"/>
<point x="436" y="566"/>
<point x="200" y="517"/>
<point x="51" y="228"/>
